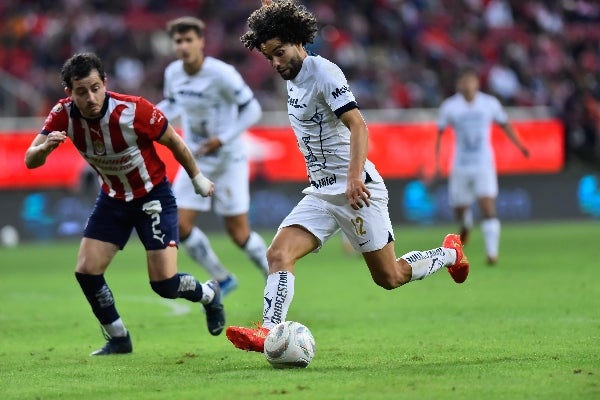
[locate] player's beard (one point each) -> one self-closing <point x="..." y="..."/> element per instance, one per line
<point x="292" y="68"/>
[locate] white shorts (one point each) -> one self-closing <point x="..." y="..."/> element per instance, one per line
<point x="367" y="229"/>
<point x="464" y="187"/>
<point x="230" y="175"/>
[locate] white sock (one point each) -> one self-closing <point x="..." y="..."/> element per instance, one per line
<point x="116" y="329"/>
<point x="491" y="236"/>
<point x="256" y="249"/>
<point x="199" y="248"/>
<point x="424" y="263"/>
<point x="279" y="292"/>
<point x="208" y="294"/>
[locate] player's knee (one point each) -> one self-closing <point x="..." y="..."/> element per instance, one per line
<point x="168" y="288"/>
<point x="184" y="232"/>
<point x="277" y="257"/>
<point x="239" y="237"/>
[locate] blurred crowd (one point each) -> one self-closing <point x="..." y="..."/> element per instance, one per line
<point x="396" y="53"/>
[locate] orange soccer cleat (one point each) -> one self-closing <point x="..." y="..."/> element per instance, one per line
<point x="460" y="269"/>
<point x="249" y="339"/>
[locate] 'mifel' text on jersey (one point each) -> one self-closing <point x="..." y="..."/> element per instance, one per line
<point x="340" y="91"/>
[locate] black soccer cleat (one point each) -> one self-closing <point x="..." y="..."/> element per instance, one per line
<point x="215" y="312"/>
<point x="116" y="345"/>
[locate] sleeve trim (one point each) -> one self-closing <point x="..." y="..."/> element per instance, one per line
<point x="347" y="107"/>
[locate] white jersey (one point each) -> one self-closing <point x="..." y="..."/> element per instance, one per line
<point x="207" y="101"/>
<point x="314" y="96"/>
<point x="472" y="123"/>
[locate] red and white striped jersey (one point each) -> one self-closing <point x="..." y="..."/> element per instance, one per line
<point x="119" y="145"/>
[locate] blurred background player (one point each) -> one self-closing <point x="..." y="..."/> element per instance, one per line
<point x="473" y="172"/>
<point x="216" y="107"/>
<point x="115" y="134"/>
<point x="346" y="191"/>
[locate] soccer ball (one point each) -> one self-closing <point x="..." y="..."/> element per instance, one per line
<point x="289" y="345"/>
<point x="9" y="236"/>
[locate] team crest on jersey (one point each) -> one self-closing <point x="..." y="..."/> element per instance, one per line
<point x="57" y="108"/>
<point x="99" y="147"/>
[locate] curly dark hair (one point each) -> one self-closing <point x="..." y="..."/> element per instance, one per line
<point x="80" y="66"/>
<point x="287" y="20"/>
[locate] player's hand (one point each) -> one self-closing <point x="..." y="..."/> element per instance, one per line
<point x="202" y="185"/>
<point x="357" y="194"/>
<point x="210" y="146"/>
<point x="266" y="2"/>
<point x="53" y="139"/>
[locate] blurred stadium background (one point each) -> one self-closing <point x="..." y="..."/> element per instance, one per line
<point x="541" y="58"/>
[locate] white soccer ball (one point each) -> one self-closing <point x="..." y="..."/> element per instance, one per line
<point x="289" y="345"/>
<point x="9" y="236"/>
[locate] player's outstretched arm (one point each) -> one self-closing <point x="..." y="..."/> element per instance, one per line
<point x="248" y="115"/>
<point x="183" y="155"/>
<point x="41" y="147"/>
<point x="514" y="137"/>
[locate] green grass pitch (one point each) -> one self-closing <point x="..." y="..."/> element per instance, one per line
<point x="528" y="328"/>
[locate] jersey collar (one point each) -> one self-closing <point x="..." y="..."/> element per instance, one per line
<point x="75" y="113"/>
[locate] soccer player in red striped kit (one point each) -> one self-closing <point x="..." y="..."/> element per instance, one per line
<point x="115" y="134"/>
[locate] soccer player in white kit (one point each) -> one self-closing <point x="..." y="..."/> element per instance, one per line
<point x="346" y="192"/>
<point x="473" y="172"/>
<point x="216" y="107"/>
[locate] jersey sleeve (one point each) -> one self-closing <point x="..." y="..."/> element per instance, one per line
<point x="235" y="89"/>
<point x="57" y="120"/>
<point x="167" y="90"/>
<point x="168" y="105"/>
<point x="336" y="92"/>
<point x="149" y="121"/>
<point x="498" y="112"/>
<point x="443" y="116"/>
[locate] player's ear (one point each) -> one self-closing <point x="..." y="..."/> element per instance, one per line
<point x="68" y="91"/>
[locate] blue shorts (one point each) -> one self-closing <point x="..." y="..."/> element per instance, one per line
<point x="153" y="216"/>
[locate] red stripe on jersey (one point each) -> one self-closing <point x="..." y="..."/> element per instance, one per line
<point x="105" y="188"/>
<point x="114" y="127"/>
<point x="156" y="170"/>
<point x="136" y="181"/>
<point x="150" y="119"/>
<point x="116" y="185"/>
